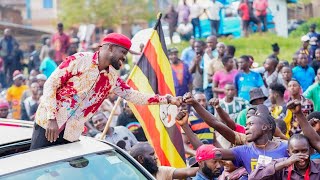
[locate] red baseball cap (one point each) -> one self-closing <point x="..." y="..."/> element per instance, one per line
<point x="120" y="40"/>
<point x="205" y="152"/>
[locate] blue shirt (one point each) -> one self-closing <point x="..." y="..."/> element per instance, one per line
<point x="245" y="82"/>
<point x="182" y="88"/>
<point x="48" y="66"/>
<point x="247" y="155"/>
<point x="304" y="76"/>
<point x="200" y="176"/>
<point x="188" y="55"/>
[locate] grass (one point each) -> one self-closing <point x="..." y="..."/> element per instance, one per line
<point x="258" y="45"/>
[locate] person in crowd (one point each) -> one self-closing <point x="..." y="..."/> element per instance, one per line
<point x="188" y="54"/>
<point x="276" y="51"/>
<point x="208" y="167"/>
<point x="314" y="37"/>
<point x="233" y="173"/>
<point x="307" y="107"/>
<point x="34" y="60"/>
<point x="297" y="166"/>
<point x="246" y="79"/>
<point x="180" y="71"/>
<point x="223" y="77"/>
<point x="107" y="106"/>
<point x="128" y="120"/>
<point x="29" y="102"/>
<point x="183" y="11"/>
<point x="44" y="52"/>
<point x="118" y="135"/>
<point x="278" y="108"/>
<point x="243" y="11"/>
<point x="305" y="48"/>
<point x="231" y="104"/>
<point x="195" y="68"/>
<point x="272" y="69"/>
<point x="213" y="13"/>
<point x="185" y="30"/>
<point x="302" y="71"/>
<point x="195" y="12"/>
<point x="313" y="93"/>
<point x="14" y="94"/>
<point x="260" y="7"/>
<point x="41" y="79"/>
<point x="18" y="59"/>
<point x="145" y="155"/>
<point x="48" y="64"/>
<point x="172" y="19"/>
<point x="259" y="131"/>
<point x="60" y="42"/>
<point x="4" y="108"/>
<point x="83" y="81"/>
<point x="314" y="120"/>
<point x="7" y="44"/>
<point x="315" y="64"/>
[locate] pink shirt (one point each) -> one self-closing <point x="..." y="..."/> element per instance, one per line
<point x="260" y="5"/>
<point x="60" y="43"/>
<point x="222" y="78"/>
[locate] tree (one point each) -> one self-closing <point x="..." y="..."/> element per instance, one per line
<point x="105" y="13"/>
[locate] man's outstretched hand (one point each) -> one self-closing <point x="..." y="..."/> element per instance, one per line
<point x="175" y="101"/>
<point x="182" y="117"/>
<point x="188" y="99"/>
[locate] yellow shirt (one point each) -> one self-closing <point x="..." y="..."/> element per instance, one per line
<point x="14" y="94"/>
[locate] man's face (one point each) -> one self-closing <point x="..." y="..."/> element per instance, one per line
<point x="305" y="44"/>
<point x="273" y="96"/>
<point x="303" y="60"/>
<point x="173" y="57"/>
<point x="311" y="29"/>
<point x="286" y="73"/>
<point x="294" y="88"/>
<point x="258" y="101"/>
<point x="243" y="64"/>
<point x="128" y="111"/>
<point x="118" y="56"/>
<point x="315" y="123"/>
<point x="41" y="82"/>
<point x="254" y="128"/>
<point x="300" y="146"/>
<point x="60" y="29"/>
<point x="269" y="64"/>
<point x="4" y="112"/>
<point x="230" y="90"/>
<point x="221" y="48"/>
<point x="211" y="168"/>
<point x="35" y="88"/>
<point x="7" y="32"/>
<point x="150" y="160"/>
<point x="229" y="166"/>
<point x="317" y="54"/>
<point x="212" y="42"/>
<point x="202" y="100"/>
<point x="18" y="82"/>
<point x="99" y="122"/>
<point x="198" y="48"/>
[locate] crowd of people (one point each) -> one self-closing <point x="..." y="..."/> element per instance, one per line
<point x="237" y="121"/>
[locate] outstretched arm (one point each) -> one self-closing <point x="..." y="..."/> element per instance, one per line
<point x="223" y="115"/>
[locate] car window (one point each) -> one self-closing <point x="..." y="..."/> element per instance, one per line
<point x="107" y="165"/>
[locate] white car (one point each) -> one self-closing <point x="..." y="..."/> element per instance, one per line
<point x="87" y="158"/>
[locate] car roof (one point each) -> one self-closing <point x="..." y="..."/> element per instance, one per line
<point x="14" y="130"/>
<point x="34" y="158"/>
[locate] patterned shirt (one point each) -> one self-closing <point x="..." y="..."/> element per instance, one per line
<point x="76" y="89"/>
<point x="200" y="128"/>
<point x="234" y="107"/>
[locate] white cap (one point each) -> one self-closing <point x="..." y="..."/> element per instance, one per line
<point x="41" y="77"/>
<point x="305" y="38"/>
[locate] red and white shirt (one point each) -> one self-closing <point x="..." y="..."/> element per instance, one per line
<point x="76" y="89"/>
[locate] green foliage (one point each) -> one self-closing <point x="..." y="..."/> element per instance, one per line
<point x="258" y="45"/>
<point x="304" y="28"/>
<point x="105" y="13"/>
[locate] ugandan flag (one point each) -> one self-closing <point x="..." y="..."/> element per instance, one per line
<point x="153" y="75"/>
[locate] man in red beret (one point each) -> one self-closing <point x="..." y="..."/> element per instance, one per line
<point x="76" y="89"/>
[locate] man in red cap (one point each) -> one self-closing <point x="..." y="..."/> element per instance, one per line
<point x="76" y="89"/>
<point x="4" y="108"/>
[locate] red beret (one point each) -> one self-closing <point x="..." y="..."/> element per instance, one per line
<point x="118" y="39"/>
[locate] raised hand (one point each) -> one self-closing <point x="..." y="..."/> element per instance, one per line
<point x="188" y="99"/>
<point x="294" y="106"/>
<point x="214" y="102"/>
<point x="182" y="117"/>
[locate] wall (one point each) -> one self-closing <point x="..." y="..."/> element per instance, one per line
<point x="10" y="15"/>
<point x="280" y="11"/>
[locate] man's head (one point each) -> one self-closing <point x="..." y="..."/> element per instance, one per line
<point x="60" y="28"/>
<point x="7" y="32"/>
<point x="256" y="96"/>
<point x="312" y="28"/>
<point x="286" y="73"/>
<point x="259" y="125"/>
<point x="4" y="108"/>
<point x="205" y="155"/>
<point x="18" y="78"/>
<point x="212" y="42"/>
<point x="127" y="110"/>
<point x="299" y="144"/>
<point x="146" y="156"/>
<point x="276" y="92"/>
<point x="275" y="48"/>
<point x="201" y="98"/>
<point x="173" y="55"/>
<point x="34" y="88"/>
<point x="314" y="120"/>
<point x="303" y="60"/>
<point x="113" y="50"/>
<point x="294" y="87"/>
<point x="231" y="50"/>
<point x="32" y="48"/>
<point x="99" y="121"/>
<point x="270" y="64"/>
<point x="227" y="62"/>
<point x="317" y="54"/>
<point x="112" y="97"/>
<point x="305" y="41"/>
<point x="243" y="63"/>
<point x="41" y="79"/>
<point x="199" y="47"/>
<point x="52" y="54"/>
<point x="221" y="48"/>
<point x="230" y="90"/>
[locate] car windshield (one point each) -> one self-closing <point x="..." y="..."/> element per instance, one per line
<point x="107" y="165"/>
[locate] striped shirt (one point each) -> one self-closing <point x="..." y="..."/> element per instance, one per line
<point x="200" y="128"/>
<point x="234" y="107"/>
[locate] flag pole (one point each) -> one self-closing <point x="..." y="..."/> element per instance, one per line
<point x="105" y="130"/>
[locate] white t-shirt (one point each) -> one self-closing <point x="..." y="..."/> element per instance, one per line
<point x="214" y="9"/>
<point x="195" y="11"/>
